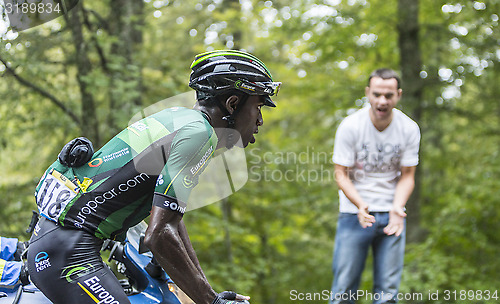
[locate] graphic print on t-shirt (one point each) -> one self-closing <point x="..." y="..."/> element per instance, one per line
<point x="378" y="157"/>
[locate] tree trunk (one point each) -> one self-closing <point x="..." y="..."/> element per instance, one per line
<point x="412" y="84"/>
<point x="126" y="21"/>
<point x="89" y="123"/>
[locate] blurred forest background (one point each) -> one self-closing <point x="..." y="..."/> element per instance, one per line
<point x="89" y="72"/>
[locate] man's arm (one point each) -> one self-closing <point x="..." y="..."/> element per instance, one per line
<point x="189" y="247"/>
<point x="345" y="184"/>
<point x="404" y="188"/>
<point x="167" y="238"/>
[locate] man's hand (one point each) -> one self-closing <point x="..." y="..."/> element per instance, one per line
<point x="364" y="217"/>
<point x="396" y="222"/>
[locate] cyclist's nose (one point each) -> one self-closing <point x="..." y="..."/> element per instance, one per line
<point x="260" y="120"/>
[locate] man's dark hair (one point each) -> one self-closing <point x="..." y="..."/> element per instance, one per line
<point x="385" y="74"/>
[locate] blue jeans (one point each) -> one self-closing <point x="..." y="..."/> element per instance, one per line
<point x="352" y="243"/>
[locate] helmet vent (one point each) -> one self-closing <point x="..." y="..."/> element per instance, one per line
<point x="222" y="68"/>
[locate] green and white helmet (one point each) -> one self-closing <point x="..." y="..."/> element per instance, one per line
<point x="219" y="72"/>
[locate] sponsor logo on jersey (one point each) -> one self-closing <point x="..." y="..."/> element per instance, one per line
<point x="95" y="162"/>
<point x="91" y="206"/>
<point x="174" y="206"/>
<point x="97" y="292"/>
<point x="188" y="182"/>
<point x="202" y="161"/>
<point x="106" y="158"/>
<point x="140" y="126"/>
<point x="160" y="180"/>
<point x="42" y="261"/>
<point x="72" y="273"/>
<point x="116" y="154"/>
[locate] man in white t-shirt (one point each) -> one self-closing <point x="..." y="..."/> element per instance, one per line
<point x="375" y="156"/>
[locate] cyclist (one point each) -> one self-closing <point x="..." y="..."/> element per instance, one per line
<point x="147" y="169"/>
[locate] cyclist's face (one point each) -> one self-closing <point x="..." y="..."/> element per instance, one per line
<point x="383" y="95"/>
<point x="249" y="119"/>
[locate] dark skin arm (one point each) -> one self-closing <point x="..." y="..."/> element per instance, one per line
<point x="167" y="238"/>
<point x="192" y="254"/>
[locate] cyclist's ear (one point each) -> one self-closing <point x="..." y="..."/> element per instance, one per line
<point x="231" y="103"/>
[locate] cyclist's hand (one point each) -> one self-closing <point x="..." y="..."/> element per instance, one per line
<point x="227" y="296"/>
<point x="364" y="217"/>
<point x="396" y="222"/>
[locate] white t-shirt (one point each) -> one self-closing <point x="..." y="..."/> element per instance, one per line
<point x="375" y="157"/>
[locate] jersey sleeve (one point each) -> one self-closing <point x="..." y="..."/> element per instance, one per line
<point x="410" y="155"/>
<point x="191" y="150"/>
<point x="344" y="148"/>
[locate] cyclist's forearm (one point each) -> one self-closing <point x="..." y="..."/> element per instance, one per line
<point x="184" y="272"/>
<point x="189" y="247"/>
<point x="167" y="245"/>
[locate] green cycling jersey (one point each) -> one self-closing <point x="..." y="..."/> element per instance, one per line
<point x="156" y="160"/>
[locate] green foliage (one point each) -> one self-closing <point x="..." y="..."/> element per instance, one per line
<point x="276" y="234"/>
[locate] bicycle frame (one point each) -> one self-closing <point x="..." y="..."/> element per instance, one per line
<point x="145" y="281"/>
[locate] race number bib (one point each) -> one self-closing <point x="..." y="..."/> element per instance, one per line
<point x="55" y="192"/>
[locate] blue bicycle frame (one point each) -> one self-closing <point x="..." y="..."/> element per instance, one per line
<point x="145" y="281"/>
